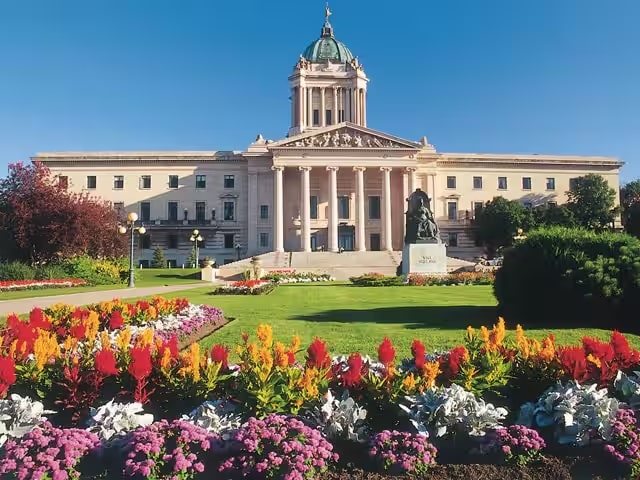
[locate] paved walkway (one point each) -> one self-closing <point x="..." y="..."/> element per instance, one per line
<point x="25" y="305"/>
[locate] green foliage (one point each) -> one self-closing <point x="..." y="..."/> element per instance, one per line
<point x="376" y="280"/>
<point x="630" y="205"/>
<point x="552" y="215"/>
<point x="51" y="272"/>
<point x="17" y="271"/>
<point x="191" y="261"/>
<point x="97" y="272"/>
<point x="582" y="275"/>
<point x="158" y="260"/>
<point x="498" y="222"/>
<point x="592" y="202"/>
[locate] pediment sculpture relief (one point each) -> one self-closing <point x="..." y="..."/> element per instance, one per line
<point x="344" y="139"/>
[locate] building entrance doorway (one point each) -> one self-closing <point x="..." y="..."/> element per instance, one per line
<point x="346" y="238"/>
<point x="374" y="242"/>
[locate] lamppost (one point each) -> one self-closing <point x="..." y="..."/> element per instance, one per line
<point x="132" y="218"/>
<point x="238" y="247"/>
<point x="520" y="235"/>
<point x="196" y="237"/>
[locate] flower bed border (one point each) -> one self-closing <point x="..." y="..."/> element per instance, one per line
<point x="42" y="284"/>
<point x="203" y="333"/>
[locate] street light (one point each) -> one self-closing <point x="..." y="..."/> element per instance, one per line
<point x="520" y="235"/>
<point x="238" y="247"/>
<point x="196" y="237"/>
<point x="132" y="218"/>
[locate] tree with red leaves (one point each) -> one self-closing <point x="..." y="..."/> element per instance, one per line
<point x="40" y="221"/>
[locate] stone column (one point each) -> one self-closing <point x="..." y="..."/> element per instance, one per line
<point x="334" y="113"/>
<point x="411" y="171"/>
<point x="252" y="221"/>
<point x="305" y="233"/>
<point x="278" y="217"/>
<point x="323" y="108"/>
<point x="354" y="105"/>
<point x="364" y="108"/>
<point x="333" y="209"/>
<point x="434" y="207"/>
<point x="386" y="197"/>
<point x="361" y="242"/>
<point x="310" y="107"/>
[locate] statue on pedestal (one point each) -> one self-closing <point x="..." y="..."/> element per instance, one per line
<point x="421" y="225"/>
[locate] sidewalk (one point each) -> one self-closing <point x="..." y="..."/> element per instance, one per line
<point x="25" y="305"/>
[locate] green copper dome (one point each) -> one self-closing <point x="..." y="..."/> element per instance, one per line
<point x="327" y="48"/>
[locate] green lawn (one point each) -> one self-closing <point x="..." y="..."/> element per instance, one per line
<point x="145" y="278"/>
<point x="357" y="318"/>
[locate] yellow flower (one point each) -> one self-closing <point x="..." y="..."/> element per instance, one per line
<point x="165" y="361"/>
<point x="309" y="382"/>
<point x="471" y="333"/>
<point x="12" y="348"/>
<point x="92" y="324"/>
<point x="252" y="350"/>
<point x="498" y="333"/>
<point x="265" y="335"/>
<point x="70" y="344"/>
<point x="409" y="383"/>
<point x="594" y="360"/>
<point x="295" y="344"/>
<point x="281" y="357"/>
<point x="548" y="352"/>
<point x="430" y="372"/>
<point x="124" y="338"/>
<point x="105" y="340"/>
<point x="484" y="333"/>
<point x="145" y="338"/>
<point x="265" y="358"/>
<point x="194" y="354"/>
<point x="45" y="348"/>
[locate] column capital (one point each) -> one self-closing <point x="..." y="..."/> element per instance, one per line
<point x="386" y="169"/>
<point x="359" y="169"/>
<point x="277" y="168"/>
<point x="304" y="168"/>
<point x="410" y="169"/>
<point x="332" y="168"/>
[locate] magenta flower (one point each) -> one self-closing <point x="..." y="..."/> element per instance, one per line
<point x="400" y="452"/>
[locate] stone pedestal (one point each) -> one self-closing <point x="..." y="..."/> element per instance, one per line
<point x="208" y="274"/>
<point x="424" y="258"/>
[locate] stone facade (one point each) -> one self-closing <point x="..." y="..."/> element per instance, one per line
<point x="332" y="184"/>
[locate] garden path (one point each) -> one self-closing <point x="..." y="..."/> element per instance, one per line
<point x="25" y="305"/>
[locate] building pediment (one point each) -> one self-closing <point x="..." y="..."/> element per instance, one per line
<point x="345" y="136"/>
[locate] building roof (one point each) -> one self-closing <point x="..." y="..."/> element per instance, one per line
<point x="327" y="48"/>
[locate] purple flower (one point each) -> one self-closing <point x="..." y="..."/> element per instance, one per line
<point x="403" y="451"/>
<point x="625" y="437"/>
<point x="516" y="444"/>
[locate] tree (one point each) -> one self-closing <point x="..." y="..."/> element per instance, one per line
<point x="498" y="222"/>
<point x="40" y="221"/>
<point x="192" y="258"/>
<point x="158" y="258"/>
<point x="630" y="205"/>
<point x="592" y="202"/>
<point x="553" y="215"/>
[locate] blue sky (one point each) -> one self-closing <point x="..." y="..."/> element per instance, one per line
<point x="502" y="76"/>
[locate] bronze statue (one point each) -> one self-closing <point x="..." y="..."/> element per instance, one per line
<point x="421" y="224"/>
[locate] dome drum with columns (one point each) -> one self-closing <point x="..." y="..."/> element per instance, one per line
<point x="332" y="184"/>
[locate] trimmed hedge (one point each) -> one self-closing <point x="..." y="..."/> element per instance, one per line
<point x="376" y="280"/>
<point x="576" y="276"/>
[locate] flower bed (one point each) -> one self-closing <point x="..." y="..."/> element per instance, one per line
<point x="246" y="287"/>
<point x="291" y="276"/>
<point x="13" y="285"/>
<point x="501" y="398"/>
<point x="463" y="278"/>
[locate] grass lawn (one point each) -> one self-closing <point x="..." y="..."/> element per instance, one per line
<point x="357" y="318"/>
<point x="145" y="278"/>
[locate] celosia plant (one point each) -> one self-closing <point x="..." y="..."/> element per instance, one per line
<point x="516" y="444"/>
<point x="47" y="451"/>
<point x="168" y="450"/>
<point x="624" y="444"/>
<point x="403" y="452"/>
<point x="279" y="447"/>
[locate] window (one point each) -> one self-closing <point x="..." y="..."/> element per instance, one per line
<point x="316" y="118"/>
<point x="452" y="239"/>
<point x="552" y="204"/>
<point x="118" y="182"/>
<point x="502" y="183"/>
<point x="213" y="214"/>
<point x="63" y="181"/>
<point x="327" y="117"/>
<point x="145" y="182"/>
<point x="551" y="183"/>
<point x="172" y="263"/>
<point x="144" y="263"/>
<point x="229" y="181"/>
<point x="572" y="183"/>
<point x="526" y="183"/>
<point x="201" y="181"/>
<point x="229" y="211"/>
<point x="172" y="208"/>
<point x="314" y="207"/>
<point x="452" y="210"/>
<point x="200" y="206"/>
<point x="343" y="207"/>
<point x="528" y="205"/>
<point x="374" y="208"/>
<point x="145" y="241"/>
<point x="264" y="240"/>
<point x="264" y="212"/>
<point x="91" y="181"/>
<point x="173" y="181"/>
<point x="477" y="206"/>
<point x="228" y="240"/>
<point x="451" y="182"/>
<point x="119" y="207"/>
<point x="477" y="183"/>
<point x="145" y="211"/>
<point x="172" y="241"/>
<point x="186" y="213"/>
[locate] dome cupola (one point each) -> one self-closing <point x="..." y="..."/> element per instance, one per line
<point x="327" y="48"/>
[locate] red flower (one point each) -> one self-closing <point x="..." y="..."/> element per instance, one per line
<point x="220" y="354"/>
<point x="574" y="362"/>
<point x="419" y="353"/>
<point x="353" y="375"/>
<point x="7" y="374"/>
<point x="106" y="363"/>
<point x="291" y="357"/>
<point x="78" y="331"/>
<point x="116" y="320"/>
<point x="450" y="364"/>
<point x="317" y="355"/>
<point x="37" y="319"/>
<point x="625" y="355"/>
<point x="140" y="365"/>
<point x="386" y="352"/>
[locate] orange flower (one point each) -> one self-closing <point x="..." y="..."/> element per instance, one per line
<point x="145" y="338"/>
<point x="92" y="324"/>
<point x="309" y="382"/>
<point x="265" y="335"/>
<point x="548" y="352"/>
<point x="105" y="340"/>
<point x="471" y="333"/>
<point x="295" y="344"/>
<point x="165" y="360"/>
<point x="124" y="339"/>
<point x="45" y="348"/>
<point x="281" y="357"/>
<point x="409" y="383"/>
<point x="430" y="372"/>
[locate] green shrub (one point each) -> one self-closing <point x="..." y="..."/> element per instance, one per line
<point x="97" y="272"/>
<point x="574" y="276"/>
<point x="376" y="280"/>
<point x="17" y="271"/>
<point x="53" y="271"/>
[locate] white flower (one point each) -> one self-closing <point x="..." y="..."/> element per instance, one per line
<point x="19" y="415"/>
<point x="116" y="419"/>
<point x="340" y="419"/>
<point x="215" y="416"/>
